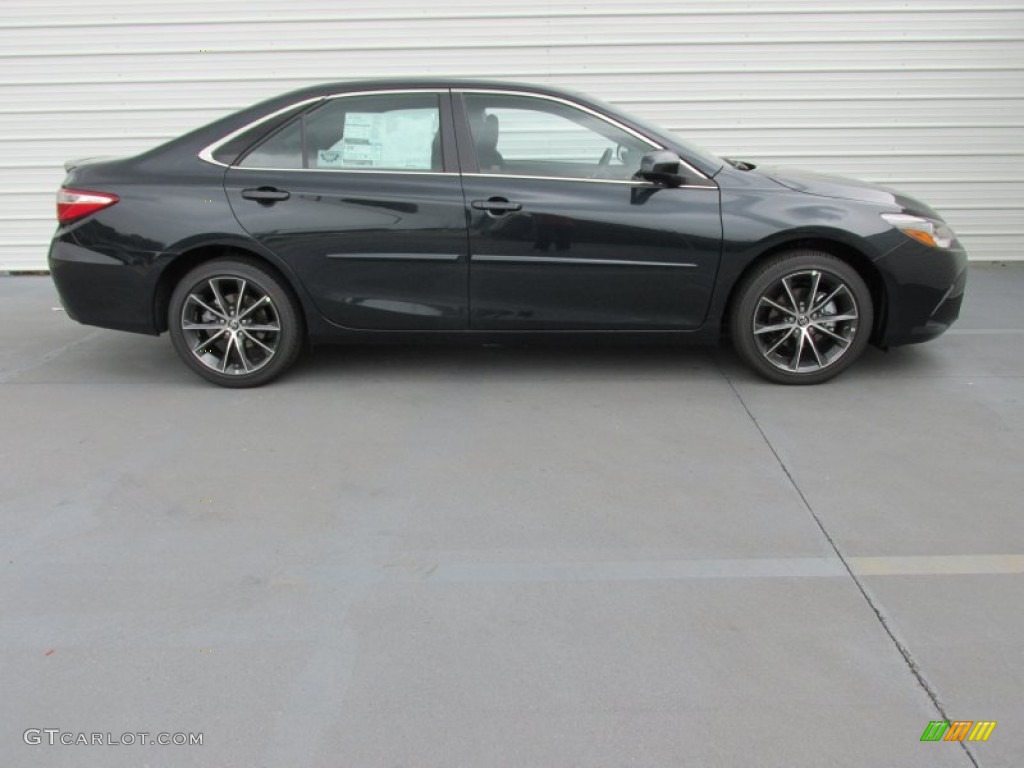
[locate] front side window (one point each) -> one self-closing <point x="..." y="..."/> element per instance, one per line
<point x="523" y="135"/>
<point x="390" y="132"/>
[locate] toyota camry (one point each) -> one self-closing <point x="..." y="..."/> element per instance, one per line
<point x="400" y="210"/>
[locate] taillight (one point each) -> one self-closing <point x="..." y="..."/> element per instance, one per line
<point x="75" y="203"/>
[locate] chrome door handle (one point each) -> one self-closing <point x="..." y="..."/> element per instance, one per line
<point x="266" y="195"/>
<point x="496" y="206"/>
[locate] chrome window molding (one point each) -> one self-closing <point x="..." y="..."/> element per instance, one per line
<point x="576" y="105"/>
<point x="346" y="170"/>
<point x="631" y="182"/>
<point x="206" y="153"/>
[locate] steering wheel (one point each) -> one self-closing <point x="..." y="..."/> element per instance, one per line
<point x="606" y="158"/>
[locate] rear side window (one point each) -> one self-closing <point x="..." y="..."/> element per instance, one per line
<point x="396" y="132"/>
<point x="229" y="151"/>
<point x="282" y="149"/>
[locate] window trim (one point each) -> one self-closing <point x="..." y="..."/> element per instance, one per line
<point x="206" y="154"/>
<point x="457" y="115"/>
<point x="583" y="108"/>
<point x="299" y="119"/>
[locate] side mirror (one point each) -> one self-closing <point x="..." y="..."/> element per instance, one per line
<point x="661" y="167"/>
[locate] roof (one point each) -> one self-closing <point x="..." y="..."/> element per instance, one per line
<point x="343" y="86"/>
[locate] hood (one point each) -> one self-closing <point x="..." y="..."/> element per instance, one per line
<point x="843" y="188"/>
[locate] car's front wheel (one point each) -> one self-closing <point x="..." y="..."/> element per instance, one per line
<point x="234" y="323"/>
<point x="802" y="317"/>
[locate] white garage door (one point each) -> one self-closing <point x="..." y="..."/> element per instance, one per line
<point x="926" y="95"/>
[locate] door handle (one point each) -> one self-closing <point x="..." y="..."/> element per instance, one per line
<point x="496" y="206"/>
<point x="266" y="195"/>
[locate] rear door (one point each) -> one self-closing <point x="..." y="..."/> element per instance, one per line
<point x="361" y="196"/>
<point x="562" y="237"/>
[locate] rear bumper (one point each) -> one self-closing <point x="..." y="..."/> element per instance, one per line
<point x="100" y="290"/>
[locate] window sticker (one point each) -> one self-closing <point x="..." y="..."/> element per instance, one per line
<point x="359" y="126"/>
<point x="328" y="158"/>
<point x="400" y="139"/>
<point x="355" y="155"/>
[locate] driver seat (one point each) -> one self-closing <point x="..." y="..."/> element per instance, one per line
<point x="487" y="153"/>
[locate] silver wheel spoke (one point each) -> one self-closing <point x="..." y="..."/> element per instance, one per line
<point x="824" y="302"/>
<point x="789" y="293"/>
<point x="263" y="327"/>
<point x="207" y="341"/>
<point x="259" y="302"/>
<point x="202" y="326"/>
<point x="814" y="288"/>
<point x="241" y="294"/>
<point x="207" y="307"/>
<point x="773" y="328"/>
<point x="836" y="336"/>
<point x="227" y="355"/>
<point x="833" y="318"/>
<point x="814" y="349"/>
<point x="216" y="294"/>
<point x="779" y="307"/>
<point x="241" y="352"/>
<point x="795" y="363"/>
<point x="779" y="343"/>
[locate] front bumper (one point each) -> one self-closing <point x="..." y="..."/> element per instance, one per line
<point x="925" y="288"/>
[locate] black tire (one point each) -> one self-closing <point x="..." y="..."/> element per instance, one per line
<point x="787" y="338"/>
<point x="232" y="345"/>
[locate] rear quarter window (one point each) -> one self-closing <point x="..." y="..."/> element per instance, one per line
<point x="230" y="151"/>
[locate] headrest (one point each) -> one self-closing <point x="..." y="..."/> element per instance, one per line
<point x="489" y="132"/>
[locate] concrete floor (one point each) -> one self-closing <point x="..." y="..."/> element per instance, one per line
<point x="508" y="557"/>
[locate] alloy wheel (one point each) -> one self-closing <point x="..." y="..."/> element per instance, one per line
<point x="231" y="325"/>
<point x="805" y="321"/>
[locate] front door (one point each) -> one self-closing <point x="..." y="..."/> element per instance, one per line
<point x="360" y="197"/>
<point x="560" y="235"/>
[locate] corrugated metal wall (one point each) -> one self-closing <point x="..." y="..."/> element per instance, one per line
<point x="927" y="95"/>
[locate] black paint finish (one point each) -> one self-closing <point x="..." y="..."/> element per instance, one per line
<point x="374" y="254"/>
<point x="333" y="224"/>
<point x="591" y="255"/>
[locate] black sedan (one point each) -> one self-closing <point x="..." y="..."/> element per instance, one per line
<point x="407" y="210"/>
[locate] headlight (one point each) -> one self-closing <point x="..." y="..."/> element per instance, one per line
<point x="931" y="232"/>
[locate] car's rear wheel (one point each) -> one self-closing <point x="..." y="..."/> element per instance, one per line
<point x="234" y="323"/>
<point x="802" y="317"/>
